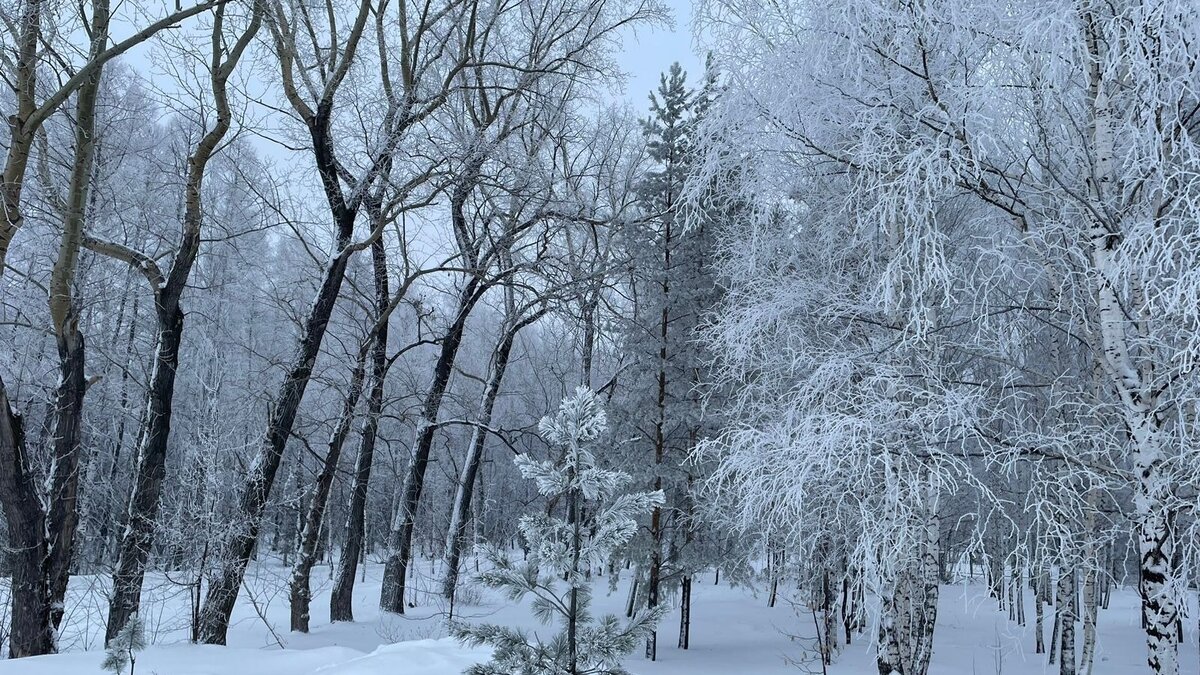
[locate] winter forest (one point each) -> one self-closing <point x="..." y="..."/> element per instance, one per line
<point x="357" y="337"/>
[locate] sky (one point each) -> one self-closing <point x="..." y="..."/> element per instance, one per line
<point x="650" y="52"/>
<point x="645" y="54"/>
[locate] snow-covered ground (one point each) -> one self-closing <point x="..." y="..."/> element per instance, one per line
<point x="733" y="632"/>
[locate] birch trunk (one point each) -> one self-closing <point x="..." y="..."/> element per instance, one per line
<point x="926" y="612"/>
<point x="888" y="658"/>
<point x="1141" y="407"/>
<point x="1065" y="620"/>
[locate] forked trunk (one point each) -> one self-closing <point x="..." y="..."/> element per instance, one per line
<point x="341" y="602"/>
<point x="309" y="537"/>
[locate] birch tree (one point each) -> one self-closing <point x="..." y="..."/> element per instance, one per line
<point x="1041" y="116"/>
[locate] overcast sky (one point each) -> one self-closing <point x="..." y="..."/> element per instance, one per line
<point x="645" y="54"/>
<point x="649" y="53"/>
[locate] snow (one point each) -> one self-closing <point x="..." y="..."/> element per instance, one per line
<point x="733" y="632"/>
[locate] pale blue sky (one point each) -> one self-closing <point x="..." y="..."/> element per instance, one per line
<point x="644" y="55"/>
<point x="649" y="52"/>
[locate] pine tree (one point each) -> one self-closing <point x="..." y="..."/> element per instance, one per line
<point x="661" y="401"/>
<point x="564" y="549"/>
<point x="123" y="648"/>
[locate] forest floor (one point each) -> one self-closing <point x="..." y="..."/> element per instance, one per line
<point x="733" y="633"/>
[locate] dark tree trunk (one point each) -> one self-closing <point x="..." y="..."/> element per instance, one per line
<point x="1040" y="599"/>
<point x="138" y="535"/>
<point x="456" y="537"/>
<point x="31" y="631"/>
<point x="631" y="601"/>
<point x="310" y="533"/>
<point x="223" y="591"/>
<point x="685" y="612"/>
<point x="660" y="440"/>
<point x="459" y="517"/>
<point x="391" y="598"/>
<point x="240" y="544"/>
<point x="341" y="602"/>
<point x="653" y="579"/>
<point x="64" y="490"/>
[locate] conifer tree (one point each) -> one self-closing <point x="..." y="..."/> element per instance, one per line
<point x="661" y="396"/>
<point x="565" y="549"/>
<point x="123" y="648"/>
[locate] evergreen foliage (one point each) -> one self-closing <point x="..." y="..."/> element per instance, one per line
<point x="561" y="551"/>
<point x="122" y="650"/>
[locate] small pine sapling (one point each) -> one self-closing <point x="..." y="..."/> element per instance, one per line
<point x="122" y="650"/>
<point x="564" y="549"/>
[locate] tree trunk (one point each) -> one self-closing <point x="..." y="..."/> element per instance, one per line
<point x="137" y="538"/>
<point x="654" y="578"/>
<point x="685" y="611"/>
<point x="573" y="596"/>
<point x="154" y="435"/>
<point x="1039" y="604"/>
<point x="828" y="617"/>
<point x="1153" y="518"/>
<point x="1064" y="609"/>
<point x="310" y="533"/>
<point x="1089" y="621"/>
<point x="63" y="513"/>
<point x="238" y="547"/>
<point x="64" y="507"/>
<point x="31" y="631"/>
<point x="16" y="159"/>
<point x="391" y="598"/>
<point x="631" y="601"/>
<point x="456" y="536"/>
<point x="887" y="657"/>
<point x="341" y="602"/>
<point x="926" y="611"/>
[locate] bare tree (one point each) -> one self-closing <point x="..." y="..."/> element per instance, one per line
<point x="312" y="101"/>
<point x="138" y="536"/>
